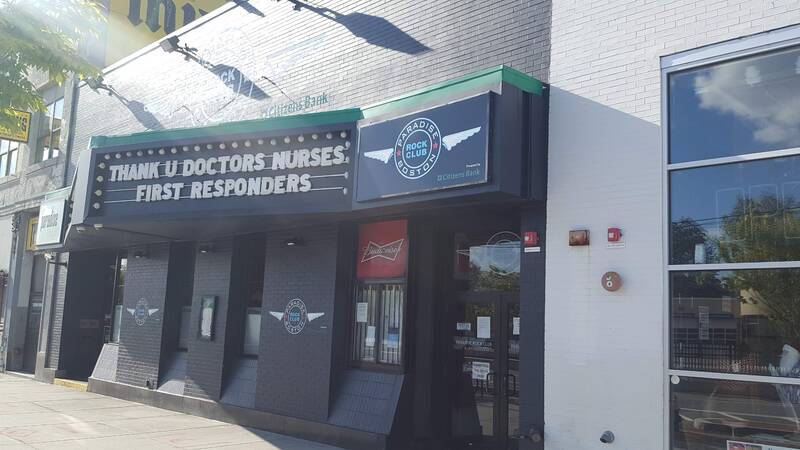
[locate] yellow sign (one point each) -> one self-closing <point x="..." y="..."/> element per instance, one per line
<point x="33" y="226"/>
<point x="133" y="24"/>
<point x="23" y="133"/>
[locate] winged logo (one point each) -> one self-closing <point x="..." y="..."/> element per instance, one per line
<point x="295" y="316"/>
<point x="450" y="142"/>
<point x="142" y="311"/>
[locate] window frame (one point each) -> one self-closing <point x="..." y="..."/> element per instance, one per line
<point x="781" y="39"/>
<point x="12" y="154"/>
<point x="40" y="151"/>
<point x="377" y="365"/>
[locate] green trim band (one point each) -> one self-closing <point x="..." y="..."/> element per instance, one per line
<point x="494" y="76"/>
<point x="229" y="128"/>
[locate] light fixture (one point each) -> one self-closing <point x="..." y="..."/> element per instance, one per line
<point x="173" y="44"/>
<point x="96" y="83"/>
<point x="205" y="248"/>
<point x="139" y="254"/>
<point x="50" y="258"/>
<point x="293" y="242"/>
<point x="80" y="228"/>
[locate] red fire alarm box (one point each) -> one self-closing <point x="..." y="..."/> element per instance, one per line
<point x="614" y="235"/>
<point x="530" y="239"/>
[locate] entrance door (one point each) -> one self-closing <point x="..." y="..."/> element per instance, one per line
<point x="35" y="301"/>
<point x="483" y="361"/>
<point x="484" y="375"/>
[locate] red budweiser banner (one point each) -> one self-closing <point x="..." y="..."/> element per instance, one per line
<point x="382" y="250"/>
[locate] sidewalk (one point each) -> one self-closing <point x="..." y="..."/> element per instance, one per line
<point x="44" y="416"/>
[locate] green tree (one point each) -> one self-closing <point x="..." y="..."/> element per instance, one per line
<point x="42" y="36"/>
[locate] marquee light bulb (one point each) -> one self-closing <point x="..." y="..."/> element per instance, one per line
<point x="161" y="151"/>
<point x="209" y="147"/>
<point x="273" y="141"/>
<point x="235" y="144"/>
<point x="139" y="153"/>
<point x="329" y="135"/>
<point x="346" y="144"/>
<point x="343" y="134"/>
<point x="314" y="136"/>
<point x="96" y="205"/>
<point x="107" y="157"/>
<point x="300" y="138"/>
<point x="173" y="150"/>
<point x="260" y="142"/>
<point x="197" y="148"/>
<point x="247" y="143"/>
<point x="287" y="139"/>
<point x="150" y="152"/>
<point x="185" y="148"/>
<point x="222" y="146"/>
<point x="102" y="165"/>
<point x="98" y="193"/>
<point x="128" y="154"/>
<point x="118" y="156"/>
<point x="99" y="178"/>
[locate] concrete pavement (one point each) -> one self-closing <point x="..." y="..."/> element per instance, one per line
<point x="34" y="415"/>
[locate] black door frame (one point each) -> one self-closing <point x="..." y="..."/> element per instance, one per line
<point x="502" y="302"/>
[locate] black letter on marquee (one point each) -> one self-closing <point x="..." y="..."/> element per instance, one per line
<point x="188" y="14"/>
<point x="154" y="13"/>
<point x="134" y="12"/>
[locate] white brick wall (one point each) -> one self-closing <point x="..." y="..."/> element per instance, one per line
<point x="605" y="361"/>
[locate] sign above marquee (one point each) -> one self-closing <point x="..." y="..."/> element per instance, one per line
<point x="272" y="174"/>
<point x="440" y="148"/>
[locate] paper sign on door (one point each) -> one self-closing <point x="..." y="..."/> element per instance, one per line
<point x="484" y="327"/>
<point x="370" y="340"/>
<point x="361" y="312"/>
<point x="480" y="370"/>
<point x="515" y="326"/>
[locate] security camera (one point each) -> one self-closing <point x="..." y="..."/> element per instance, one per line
<point x="607" y="437"/>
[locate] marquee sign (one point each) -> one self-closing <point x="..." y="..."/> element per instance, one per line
<point x="382" y="250"/>
<point x="441" y="148"/>
<point x="278" y="175"/>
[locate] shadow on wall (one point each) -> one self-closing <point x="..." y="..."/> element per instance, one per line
<point x="139" y="111"/>
<point x="373" y="29"/>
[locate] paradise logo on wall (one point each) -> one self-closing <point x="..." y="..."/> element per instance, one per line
<point x="142" y="311"/>
<point x="443" y="147"/>
<point x="295" y="316"/>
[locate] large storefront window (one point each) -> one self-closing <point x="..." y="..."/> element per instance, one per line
<point x="745" y="212"/>
<point x="380" y="293"/>
<point x="748" y="105"/>
<point x="742" y="321"/>
<point x="735" y="326"/>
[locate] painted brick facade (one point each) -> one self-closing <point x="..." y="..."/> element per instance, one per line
<point x="362" y="53"/>
<point x="294" y="369"/>
<point x="139" y="344"/>
<point x="212" y="277"/>
<point x="605" y="353"/>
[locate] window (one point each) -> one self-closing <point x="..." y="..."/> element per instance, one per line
<point x="487" y="261"/>
<point x="9" y="152"/>
<point x="739" y="321"/>
<point x="734" y="260"/>
<point x="380" y="293"/>
<point x="49" y="138"/>
<point x="379" y="323"/>
<point x="121" y="270"/>
<point x="748" y="105"/>
<point x="254" y="293"/>
<point x="743" y="212"/>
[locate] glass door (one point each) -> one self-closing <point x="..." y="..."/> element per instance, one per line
<point x="484" y="329"/>
<point x="474" y="372"/>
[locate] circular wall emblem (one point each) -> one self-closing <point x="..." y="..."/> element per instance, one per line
<point x="295" y="316"/>
<point x="141" y="312"/>
<point x="417" y="148"/>
<point x="504" y="252"/>
<point x="611" y="281"/>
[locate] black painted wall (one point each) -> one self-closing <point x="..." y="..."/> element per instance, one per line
<point x="139" y="345"/>
<point x="212" y="277"/>
<point x="294" y="370"/>
<point x="179" y="293"/>
<point x="532" y="304"/>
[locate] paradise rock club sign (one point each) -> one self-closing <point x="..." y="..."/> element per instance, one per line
<point x="225" y="175"/>
<point x="441" y="148"/>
